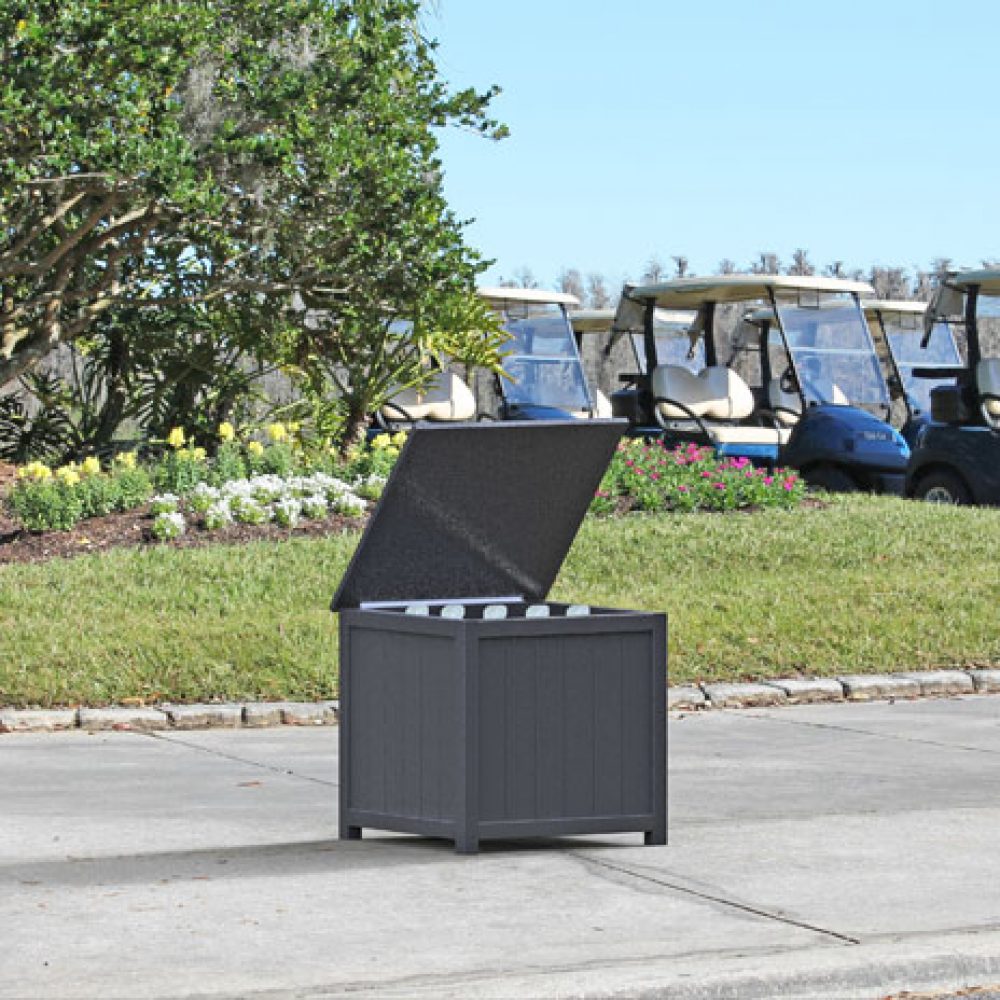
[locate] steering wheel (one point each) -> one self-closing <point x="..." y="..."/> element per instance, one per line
<point x="992" y="419"/>
<point x="395" y="423"/>
<point x="788" y="383"/>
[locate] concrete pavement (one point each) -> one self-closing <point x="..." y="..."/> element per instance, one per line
<point x="847" y="850"/>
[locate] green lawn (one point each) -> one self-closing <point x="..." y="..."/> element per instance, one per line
<point x="867" y="584"/>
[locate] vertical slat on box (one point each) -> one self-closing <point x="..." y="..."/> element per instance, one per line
<point x="609" y="731"/>
<point x="577" y="653"/>
<point x="637" y="695"/>
<point x="551" y="742"/>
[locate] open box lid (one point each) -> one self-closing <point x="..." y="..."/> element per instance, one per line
<point x="479" y="511"/>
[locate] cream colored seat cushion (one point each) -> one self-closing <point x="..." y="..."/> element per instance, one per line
<point x="602" y="408"/>
<point x="988" y="384"/>
<point x="716" y="392"/>
<point x="444" y="398"/>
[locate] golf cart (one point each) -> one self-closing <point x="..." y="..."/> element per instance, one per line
<point x="898" y="328"/>
<point x="604" y="355"/>
<point x="545" y="378"/>
<point x="821" y="403"/>
<point x="957" y="455"/>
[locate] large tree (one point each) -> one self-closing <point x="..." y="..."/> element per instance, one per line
<point x="278" y="152"/>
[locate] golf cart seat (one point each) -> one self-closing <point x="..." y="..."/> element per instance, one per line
<point x="713" y="399"/>
<point x="988" y="384"/>
<point x="444" y="398"/>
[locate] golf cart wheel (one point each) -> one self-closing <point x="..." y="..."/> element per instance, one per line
<point x="942" y="486"/>
<point x="829" y="477"/>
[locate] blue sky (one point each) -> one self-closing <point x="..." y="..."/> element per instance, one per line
<point x="867" y="132"/>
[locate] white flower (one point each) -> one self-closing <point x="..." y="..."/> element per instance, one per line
<point x="314" y="505"/>
<point x="168" y="525"/>
<point x="164" y="503"/>
<point x="218" y="515"/>
<point x="286" y="512"/>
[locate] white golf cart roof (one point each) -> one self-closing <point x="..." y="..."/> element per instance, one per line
<point x="600" y="320"/>
<point x="988" y="280"/>
<point x="691" y="293"/>
<point x="530" y="296"/>
<point x="888" y="306"/>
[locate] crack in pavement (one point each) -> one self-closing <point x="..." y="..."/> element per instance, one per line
<point x="867" y="732"/>
<point x="273" y="768"/>
<point x="721" y="900"/>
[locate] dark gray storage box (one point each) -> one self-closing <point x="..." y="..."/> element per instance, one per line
<point x="549" y="720"/>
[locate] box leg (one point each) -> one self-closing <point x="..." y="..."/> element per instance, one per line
<point x="467" y="842"/>
<point x="656" y="837"/>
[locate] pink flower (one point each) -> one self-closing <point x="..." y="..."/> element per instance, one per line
<point x="719" y="486"/>
<point x="706" y="475"/>
<point x="768" y="480"/>
<point x="682" y="489"/>
<point x="654" y="475"/>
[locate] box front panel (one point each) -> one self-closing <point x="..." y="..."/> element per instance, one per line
<point x="566" y="724"/>
<point x="404" y="703"/>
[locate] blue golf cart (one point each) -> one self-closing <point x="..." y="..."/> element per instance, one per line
<point x="956" y="458"/>
<point x="822" y="402"/>
<point x="913" y="372"/>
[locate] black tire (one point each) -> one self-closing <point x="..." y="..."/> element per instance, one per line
<point x="942" y="486"/>
<point x="832" y="478"/>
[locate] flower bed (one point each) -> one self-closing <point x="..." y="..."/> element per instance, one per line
<point x="645" y="475"/>
<point x="245" y="482"/>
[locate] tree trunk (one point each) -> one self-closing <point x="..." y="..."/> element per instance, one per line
<point x="355" y="426"/>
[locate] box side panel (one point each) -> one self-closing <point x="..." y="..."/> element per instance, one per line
<point x="404" y="725"/>
<point x="566" y="726"/>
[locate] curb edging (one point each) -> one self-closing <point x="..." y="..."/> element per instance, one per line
<point x="907" y="685"/>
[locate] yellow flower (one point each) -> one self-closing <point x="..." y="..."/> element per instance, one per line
<point x="126" y="459"/>
<point x="199" y="454"/>
<point x="277" y="432"/>
<point x="34" y="470"/>
<point x="294" y="427"/>
<point x="226" y="431"/>
<point x="176" y="438"/>
<point x="381" y="441"/>
<point x="68" y="475"/>
<point x="399" y="439"/>
<point x="21" y="25"/>
<point x="255" y="448"/>
<point x="392" y="451"/>
<point x="91" y="466"/>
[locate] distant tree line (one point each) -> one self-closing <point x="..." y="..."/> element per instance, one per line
<point x="889" y="281"/>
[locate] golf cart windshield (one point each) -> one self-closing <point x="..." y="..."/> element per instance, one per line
<point x="543" y="362"/>
<point x="904" y="331"/>
<point x="832" y="352"/>
<point x="673" y="346"/>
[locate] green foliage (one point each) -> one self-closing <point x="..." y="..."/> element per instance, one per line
<point x="644" y="475"/>
<point x="271" y="163"/>
<point x="180" y="470"/>
<point x="47" y="505"/>
<point x="229" y="464"/>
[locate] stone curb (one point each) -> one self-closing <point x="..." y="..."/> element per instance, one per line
<point x="908" y="685"/>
